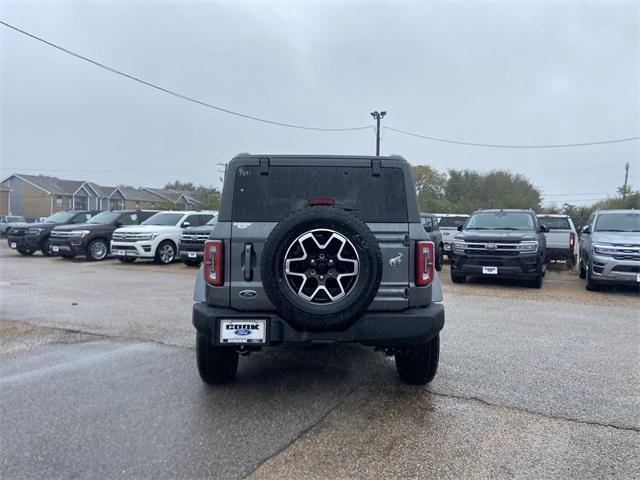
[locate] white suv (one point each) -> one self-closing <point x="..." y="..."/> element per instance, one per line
<point x="157" y="237"/>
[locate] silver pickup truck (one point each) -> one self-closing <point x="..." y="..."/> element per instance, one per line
<point x="561" y="238"/>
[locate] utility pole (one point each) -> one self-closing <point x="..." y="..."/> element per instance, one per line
<point x="378" y="116"/>
<point x="626" y="177"/>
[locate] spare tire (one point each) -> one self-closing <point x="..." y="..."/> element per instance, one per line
<point x="321" y="268"/>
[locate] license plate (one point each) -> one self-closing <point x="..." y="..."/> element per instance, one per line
<point x="55" y="249"/>
<point x="243" y="331"/>
<point x="638" y="278"/>
<point x="192" y="254"/>
<point x="490" y="270"/>
<point x="14" y="245"/>
<point x="119" y="253"/>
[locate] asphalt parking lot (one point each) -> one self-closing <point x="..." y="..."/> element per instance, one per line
<point x="98" y="380"/>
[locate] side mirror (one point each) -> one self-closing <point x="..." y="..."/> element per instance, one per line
<point x="586" y="230"/>
<point x="185" y="224"/>
<point x="543" y="229"/>
<point x="460" y="227"/>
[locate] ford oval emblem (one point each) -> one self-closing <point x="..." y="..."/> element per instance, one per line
<point x="243" y="332"/>
<point x="248" y="293"/>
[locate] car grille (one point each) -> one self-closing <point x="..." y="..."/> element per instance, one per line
<point x="626" y="252"/>
<point x="129" y="237"/>
<point x="62" y="234"/>
<point x="491" y="248"/>
<point x="17" y="232"/>
<point x="197" y="239"/>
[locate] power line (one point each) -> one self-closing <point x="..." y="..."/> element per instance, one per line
<point x="176" y="94"/>
<point x="493" y="145"/>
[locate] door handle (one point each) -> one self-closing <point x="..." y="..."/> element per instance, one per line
<point x="246" y="264"/>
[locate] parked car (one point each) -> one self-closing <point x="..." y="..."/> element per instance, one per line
<point x="28" y="238"/>
<point x="7" y="220"/>
<point x="192" y="242"/>
<point x="157" y="237"/>
<point x="322" y="259"/>
<point x="610" y="248"/>
<point x="92" y="238"/>
<point x="561" y="238"/>
<point x="500" y="243"/>
<point x="430" y="224"/>
<point x="448" y="225"/>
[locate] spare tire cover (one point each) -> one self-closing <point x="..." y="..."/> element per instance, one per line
<point x="321" y="268"/>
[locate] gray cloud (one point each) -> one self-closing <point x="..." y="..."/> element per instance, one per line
<point x="484" y="72"/>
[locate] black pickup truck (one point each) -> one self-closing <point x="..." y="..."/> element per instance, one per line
<point x="500" y="243"/>
<point x="28" y="238"/>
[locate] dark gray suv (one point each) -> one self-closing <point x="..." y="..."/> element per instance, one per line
<point x="318" y="249"/>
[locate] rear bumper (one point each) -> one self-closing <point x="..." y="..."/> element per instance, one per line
<point x="414" y="326"/>
<point x="559" y="254"/>
<point x="191" y="251"/>
<point x="520" y="266"/>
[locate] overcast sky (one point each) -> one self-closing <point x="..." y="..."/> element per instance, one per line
<point x="502" y="72"/>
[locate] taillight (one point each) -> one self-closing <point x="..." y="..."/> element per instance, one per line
<point x="214" y="262"/>
<point x="572" y="240"/>
<point x="425" y="255"/>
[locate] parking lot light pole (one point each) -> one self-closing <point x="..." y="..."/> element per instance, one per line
<point x="378" y="116"/>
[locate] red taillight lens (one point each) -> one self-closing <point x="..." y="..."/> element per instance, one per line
<point x="572" y="240"/>
<point x="425" y="255"/>
<point x="214" y="262"/>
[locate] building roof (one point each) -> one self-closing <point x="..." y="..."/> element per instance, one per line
<point x="165" y="193"/>
<point x="101" y="190"/>
<point x="136" y="194"/>
<point x="49" y="184"/>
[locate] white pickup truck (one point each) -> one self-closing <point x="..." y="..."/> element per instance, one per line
<point x="561" y="238"/>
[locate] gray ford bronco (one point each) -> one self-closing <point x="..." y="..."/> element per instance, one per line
<point x="318" y="249"/>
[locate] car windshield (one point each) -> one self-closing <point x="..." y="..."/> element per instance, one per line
<point x="169" y="219"/>
<point x="60" y="217"/>
<point x="105" y="218"/>
<point x="451" y="222"/>
<point x="555" y="223"/>
<point x="213" y="221"/>
<point x="618" y="222"/>
<point x="500" y="221"/>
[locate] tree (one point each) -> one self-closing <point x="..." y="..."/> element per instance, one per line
<point x="430" y="188"/>
<point x="210" y="196"/>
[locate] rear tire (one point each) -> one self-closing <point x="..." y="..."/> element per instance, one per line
<point x="439" y="258"/>
<point x="192" y="263"/>
<point x="582" y="271"/>
<point x="216" y="365"/>
<point x="537" y="281"/>
<point x="418" y="365"/>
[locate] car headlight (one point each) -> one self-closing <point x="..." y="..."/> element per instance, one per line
<point x="34" y="231"/>
<point x="459" y="244"/>
<point x="527" y="246"/>
<point x="147" y="236"/>
<point x="604" y="249"/>
<point x="80" y="233"/>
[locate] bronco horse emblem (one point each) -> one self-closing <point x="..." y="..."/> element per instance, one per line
<point x="395" y="261"/>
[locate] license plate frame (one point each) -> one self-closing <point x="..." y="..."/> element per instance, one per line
<point x="489" y="270"/>
<point x="120" y="253"/>
<point x="192" y="254"/>
<point x="637" y="277"/>
<point x="14" y="245"/>
<point x="243" y="331"/>
<point x="55" y="248"/>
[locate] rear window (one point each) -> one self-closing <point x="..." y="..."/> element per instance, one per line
<point x="555" y="223"/>
<point x="451" y="222"/>
<point x="270" y="198"/>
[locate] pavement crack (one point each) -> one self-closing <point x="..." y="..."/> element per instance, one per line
<point x="532" y="412"/>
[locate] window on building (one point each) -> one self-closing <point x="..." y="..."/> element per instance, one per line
<point x="59" y="202"/>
